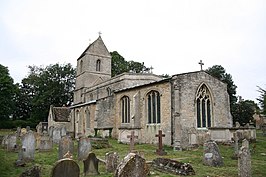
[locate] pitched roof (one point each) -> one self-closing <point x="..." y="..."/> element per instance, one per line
<point x="97" y="47"/>
<point x="61" y="114"/>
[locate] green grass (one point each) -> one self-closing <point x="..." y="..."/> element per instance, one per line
<point x="47" y="159"/>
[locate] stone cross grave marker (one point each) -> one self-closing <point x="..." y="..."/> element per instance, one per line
<point x="91" y="165"/>
<point x="112" y="161"/>
<point x="65" y="168"/>
<point x="65" y="145"/>
<point x="160" y="150"/>
<point x="132" y="165"/>
<point x="244" y="160"/>
<point x="211" y="154"/>
<point x="84" y="147"/>
<point x="28" y="146"/>
<point x="132" y="140"/>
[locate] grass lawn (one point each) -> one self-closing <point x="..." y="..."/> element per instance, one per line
<point x="47" y="159"/>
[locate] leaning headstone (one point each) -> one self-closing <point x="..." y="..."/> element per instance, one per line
<point x="56" y="134"/>
<point x="11" y="142"/>
<point x="28" y="146"/>
<point x="211" y="156"/>
<point x="65" y="168"/>
<point x="46" y="143"/>
<point x="91" y="165"/>
<point x="35" y="171"/>
<point x="84" y="147"/>
<point x="173" y="167"/>
<point x="132" y="165"/>
<point x="112" y="161"/>
<point x="244" y="161"/>
<point x="65" y="145"/>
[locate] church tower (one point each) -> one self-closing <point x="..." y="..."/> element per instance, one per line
<point x="93" y="67"/>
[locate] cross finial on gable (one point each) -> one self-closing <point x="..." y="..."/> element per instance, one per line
<point x="100" y="33"/>
<point x="201" y="63"/>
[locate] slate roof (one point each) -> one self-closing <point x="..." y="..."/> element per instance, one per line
<point x="61" y="114"/>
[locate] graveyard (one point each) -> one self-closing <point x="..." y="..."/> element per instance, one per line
<point x="46" y="160"/>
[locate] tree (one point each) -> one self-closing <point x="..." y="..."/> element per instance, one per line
<point x="219" y="72"/>
<point x="262" y="100"/>
<point x="45" y="86"/>
<point x="7" y="93"/>
<point x="243" y="111"/>
<point x="120" y="65"/>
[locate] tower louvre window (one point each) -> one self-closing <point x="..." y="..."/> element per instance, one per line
<point x="98" y="65"/>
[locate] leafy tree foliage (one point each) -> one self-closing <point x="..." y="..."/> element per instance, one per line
<point x="120" y="65"/>
<point x="7" y="93"/>
<point x="243" y="111"/>
<point x="219" y="72"/>
<point x="45" y="86"/>
<point x="262" y="100"/>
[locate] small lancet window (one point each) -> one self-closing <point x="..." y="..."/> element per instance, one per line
<point x="98" y="65"/>
<point x="204" y="107"/>
<point x="81" y="66"/>
<point x="125" y="109"/>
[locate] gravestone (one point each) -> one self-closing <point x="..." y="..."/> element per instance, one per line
<point x="237" y="124"/>
<point x="20" y="162"/>
<point x="91" y="165"/>
<point x="46" y="144"/>
<point x="173" y="166"/>
<point x="263" y="128"/>
<point x="56" y="134"/>
<point x="23" y="131"/>
<point x="28" y="128"/>
<point x="50" y="131"/>
<point x="65" y="145"/>
<point x="84" y="147"/>
<point x="65" y="168"/>
<point x="177" y="145"/>
<point x="244" y="160"/>
<point x="11" y="142"/>
<point x="63" y="131"/>
<point x="211" y="155"/>
<point x="28" y="146"/>
<point x="236" y="146"/>
<point x="160" y="150"/>
<point x="4" y="141"/>
<point x="112" y="161"/>
<point x="132" y="165"/>
<point x="18" y="131"/>
<point x="132" y="140"/>
<point x="99" y="143"/>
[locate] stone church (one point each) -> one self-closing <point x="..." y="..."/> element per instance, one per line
<point x="188" y="107"/>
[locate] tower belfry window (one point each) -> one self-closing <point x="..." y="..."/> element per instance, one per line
<point x="204" y="107"/>
<point x="98" y="65"/>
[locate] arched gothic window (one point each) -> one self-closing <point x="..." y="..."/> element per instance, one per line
<point x="87" y="113"/>
<point x="98" y="65"/>
<point x="125" y="109"/>
<point x="204" y="107"/>
<point x="154" y="107"/>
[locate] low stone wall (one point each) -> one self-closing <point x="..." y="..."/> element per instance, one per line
<point x="226" y="135"/>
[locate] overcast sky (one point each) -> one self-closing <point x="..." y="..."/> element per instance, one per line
<point x="171" y="36"/>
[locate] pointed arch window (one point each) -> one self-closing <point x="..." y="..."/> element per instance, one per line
<point x="204" y="107"/>
<point x="98" y="65"/>
<point x="125" y="109"/>
<point x="154" y="107"/>
<point x="87" y="113"/>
